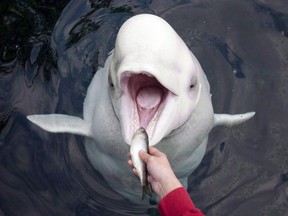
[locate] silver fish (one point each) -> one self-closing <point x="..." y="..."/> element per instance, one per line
<point x="140" y="141"/>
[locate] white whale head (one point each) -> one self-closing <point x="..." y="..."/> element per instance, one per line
<point x="154" y="78"/>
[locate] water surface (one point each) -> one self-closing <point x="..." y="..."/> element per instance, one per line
<point x="50" y="51"/>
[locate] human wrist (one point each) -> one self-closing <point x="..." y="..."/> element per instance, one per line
<point x="168" y="185"/>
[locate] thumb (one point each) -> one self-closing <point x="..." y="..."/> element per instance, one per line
<point x="155" y="152"/>
<point x="144" y="156"/>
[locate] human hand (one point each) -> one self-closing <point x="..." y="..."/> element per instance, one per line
<point x="161" y="176"/>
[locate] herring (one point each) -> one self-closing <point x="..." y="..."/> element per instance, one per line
<point x="140" y="141"/>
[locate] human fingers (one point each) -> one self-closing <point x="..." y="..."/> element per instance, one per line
<point x="155" y="152"/>
<point x="144" y="156"/>
<point x="150" y="179"/>
<point x="135" y="171"/>
<point x="130" y="163"/>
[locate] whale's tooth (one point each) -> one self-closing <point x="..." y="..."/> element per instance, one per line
<point x="135" y="118"/>
<point x="152" y="123"/>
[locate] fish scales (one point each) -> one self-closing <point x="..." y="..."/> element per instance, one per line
<point x="140" y="141"/>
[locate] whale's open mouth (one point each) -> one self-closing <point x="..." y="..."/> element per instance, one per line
<point x="146" y="97"/>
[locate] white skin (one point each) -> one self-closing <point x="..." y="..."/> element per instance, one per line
<point x="161" y="176"/>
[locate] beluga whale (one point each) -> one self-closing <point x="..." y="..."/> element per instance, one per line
<point x="151" y="80"/>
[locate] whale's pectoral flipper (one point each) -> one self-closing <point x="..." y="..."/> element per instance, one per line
<point x="230" y="120"/>
<point x="58" y="123"/>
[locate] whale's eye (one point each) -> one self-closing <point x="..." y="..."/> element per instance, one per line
<point x="193" y="83"/>
<point x="110" y="82"/>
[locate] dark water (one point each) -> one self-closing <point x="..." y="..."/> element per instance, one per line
<point x="48" y="61"/>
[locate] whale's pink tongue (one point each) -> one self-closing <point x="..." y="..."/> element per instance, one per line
<point x="148" y="100"/>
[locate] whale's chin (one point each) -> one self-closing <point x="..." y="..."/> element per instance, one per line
<point x="143" y="101"/>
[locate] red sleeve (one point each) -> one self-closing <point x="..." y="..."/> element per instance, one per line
<point x="178" y="203"/>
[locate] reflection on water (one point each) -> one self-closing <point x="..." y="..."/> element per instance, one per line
<point x="46" y="68"/>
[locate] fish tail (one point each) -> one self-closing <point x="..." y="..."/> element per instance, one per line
<point x="146" y="190"/>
